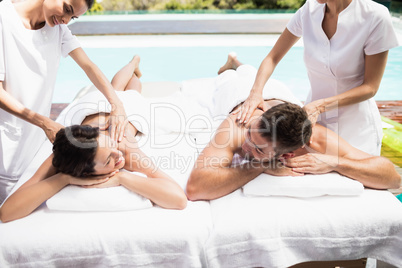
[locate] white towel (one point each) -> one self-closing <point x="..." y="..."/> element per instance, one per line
<point x="304" y="186"/>
<point x="151" y="116"/>
<point x="76" y="198"/>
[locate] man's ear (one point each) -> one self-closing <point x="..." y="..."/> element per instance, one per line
<point x="288" y="155"/>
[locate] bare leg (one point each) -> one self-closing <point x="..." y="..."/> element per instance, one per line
<point x="128" y="76"/>
<point x="231" y="64"/>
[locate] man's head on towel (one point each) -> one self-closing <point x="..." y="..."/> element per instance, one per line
<point x="81" y="151"/>
<point x="277" y="132"/>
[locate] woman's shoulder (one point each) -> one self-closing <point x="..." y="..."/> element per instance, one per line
<point x="372" y="9"/>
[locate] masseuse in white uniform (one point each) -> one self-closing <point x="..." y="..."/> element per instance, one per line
<point x="33" y="36"/>
<point x="346" y="44"/>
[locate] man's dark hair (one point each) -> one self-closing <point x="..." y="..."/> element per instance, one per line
<point x="89" y="3"/>
<point x="287" y="126"/>
<point x="74" y="150"/>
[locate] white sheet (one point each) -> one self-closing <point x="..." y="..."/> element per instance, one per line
<point x="283" y="231"/>
<point x="234" y="231"/>
<point x="152" y="237"/>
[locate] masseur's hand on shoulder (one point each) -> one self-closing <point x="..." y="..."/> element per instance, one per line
<point x="117" y="122"/>
<point x="245" y="110"/>
<point x="51" y="128"/>
<point x="118" y="118"/>
<point x="314" y="109"/>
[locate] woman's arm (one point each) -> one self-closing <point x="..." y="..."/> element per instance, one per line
<point x="164" y="192"/>
<point x="44" y="184"/>
<point x="13" y="106"/>
<point x="267" y="67"/>
<point x="118" y="117"/>
<point x="374" y="68"/>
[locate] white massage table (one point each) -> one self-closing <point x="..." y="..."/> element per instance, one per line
<point x="233" y="231"/>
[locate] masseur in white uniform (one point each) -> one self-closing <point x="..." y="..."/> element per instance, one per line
<point x="346" y="44"/>
<point x="33" y="36"/>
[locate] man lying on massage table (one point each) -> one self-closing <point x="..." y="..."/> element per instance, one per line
<point x="84" y="155"/>
<point x="279" y="142"/>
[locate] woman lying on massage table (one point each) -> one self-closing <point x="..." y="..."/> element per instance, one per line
<point x="86" y="156"/>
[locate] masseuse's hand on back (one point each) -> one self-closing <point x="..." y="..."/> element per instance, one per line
<point x="51" y="128"/>
<point x="117" y="123"/>
<point x="118" y="118"/>
<point x="245" y="110"/>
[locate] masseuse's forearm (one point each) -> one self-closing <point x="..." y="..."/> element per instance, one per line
<point x="14" y="107"/>
<point x="374" y="67"/>
<point x="352" y="96"/>
<point x="95" y="75"/>
<point x="374" y="172"/>
<point x="208" y="183"/>
<point x="265" y="71"/>
<point x="27" y="199"/>
<point x="268" y="65"/>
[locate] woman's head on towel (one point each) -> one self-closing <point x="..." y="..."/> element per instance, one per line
<point x="77" y="152"/>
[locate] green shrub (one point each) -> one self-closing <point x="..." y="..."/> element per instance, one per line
<point x="96" y="8"/>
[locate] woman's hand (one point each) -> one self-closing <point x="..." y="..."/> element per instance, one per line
<point x="113" y="181"/>
<point x="51" y="128"/>
<point x="313" y="110"/>
<point x="245" y="110"/>
<point x="312" y="163"/>
<point x="94" y="180"/>
<point x="117" y="122"/>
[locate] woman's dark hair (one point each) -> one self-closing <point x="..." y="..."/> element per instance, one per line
<point x="287" y="126"/>
<point x="89" y="3"/>
<point x="74" y="150"/>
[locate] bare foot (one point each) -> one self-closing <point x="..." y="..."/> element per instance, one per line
<point x="231" y="64"/>
<point x="136" y="61"/>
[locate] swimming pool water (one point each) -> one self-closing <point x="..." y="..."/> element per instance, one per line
<point x="182" y="63"/>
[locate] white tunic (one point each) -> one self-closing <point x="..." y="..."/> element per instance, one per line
<point x="29" y="60"/>
<point x="337" y="65"/>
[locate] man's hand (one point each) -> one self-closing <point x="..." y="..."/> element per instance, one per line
<point x="312" y="163"/>
<point x="281" y="170"/>
<point x="51" y="128"/>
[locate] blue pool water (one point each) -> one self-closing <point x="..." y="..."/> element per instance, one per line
<point x="182" y="63"/>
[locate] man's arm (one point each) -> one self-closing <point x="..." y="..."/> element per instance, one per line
<point x="329" y="152"/>
<point x="212" y="175"/>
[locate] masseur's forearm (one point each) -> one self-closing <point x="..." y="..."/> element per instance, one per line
<point x="374" y="67"/>
<point x="27" y="199"/>
<point x="352" y="96"/>
<point x="268" y="65"/>
<point x="208" y="183"/>
<point x="374" y="172"/>
<point x="13" y="106"/>
<point x="95" y="75"/>
<point x="265" y="71"/>
<point x="162" y="191"/>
